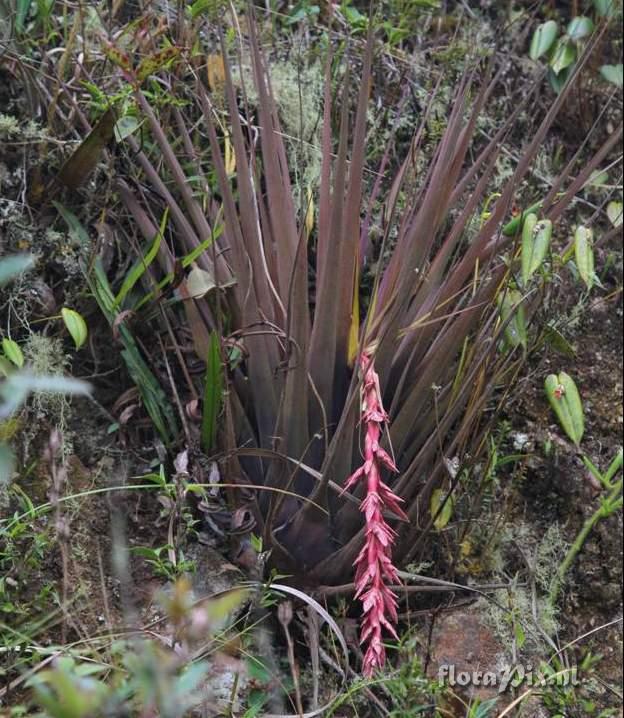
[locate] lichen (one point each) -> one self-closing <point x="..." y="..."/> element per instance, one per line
<point x="45" y="356"/>
<point x="526" y="602"/>
<point x="298" y="93"/>
<point x="9" y="126"/>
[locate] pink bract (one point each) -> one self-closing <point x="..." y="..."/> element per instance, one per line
<point x="374" y="568"/>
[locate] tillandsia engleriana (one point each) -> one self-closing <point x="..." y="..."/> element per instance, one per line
<point x="375" y="571"/>
<point x="281" y="294"/>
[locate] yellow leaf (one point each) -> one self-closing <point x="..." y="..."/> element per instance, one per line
<point x="354" y="329"/>
<point x="215" y="72"/>
<point x="465" y="548"/>
<point x="230" y="157"/>
<point x="443" y="513"/>
<point x="13" y="352"/>
<point x="309" y="217"/>
<point x="152" y="63"/>
<point x="9" y="428"/>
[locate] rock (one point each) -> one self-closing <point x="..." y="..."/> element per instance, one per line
<point x="466" y="656"/>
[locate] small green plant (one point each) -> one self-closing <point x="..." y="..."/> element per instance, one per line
<point x="18" y="385"/>
<point x="563" y="691"/>
<point x="566" y="403"/>
<point x="165" y="561"/>
<point x="141" y="676"/>
<point x="563" y="50"/>
<point x="412" y="691"/>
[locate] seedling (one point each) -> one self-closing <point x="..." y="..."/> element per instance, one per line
<point x="566" y="402"/>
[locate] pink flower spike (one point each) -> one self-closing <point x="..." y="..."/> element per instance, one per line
<point x="373" y="566"/>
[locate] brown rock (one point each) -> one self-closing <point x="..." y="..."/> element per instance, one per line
<point x="466" y="656"/>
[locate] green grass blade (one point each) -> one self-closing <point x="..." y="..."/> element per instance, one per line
<point x="213" y="391"/>
<point x="140" y="267"/>
<point x="74" y="224"/>
<point x="23" y="8"/>
<point x="154" y="398"/>
<point x="186" y="262"/>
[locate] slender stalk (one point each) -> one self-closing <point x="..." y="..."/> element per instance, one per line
<point x="608" y="506"/>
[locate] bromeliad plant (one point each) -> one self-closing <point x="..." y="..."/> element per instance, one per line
<point x="312" y="375"/>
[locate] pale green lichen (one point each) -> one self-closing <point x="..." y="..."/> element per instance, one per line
<point x="9" y="126"/>
<point x="298" y="93"/>
<point x="526" y="602"/>
<point x="45" y="356"/>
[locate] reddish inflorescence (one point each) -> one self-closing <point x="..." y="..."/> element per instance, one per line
<point x="375" y="571"/>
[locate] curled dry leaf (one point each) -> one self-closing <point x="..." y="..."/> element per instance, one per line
<point x="122" y="317"/>
<point x="181" y="462"/>
<point x="127" y="413"/>
<point x="192" y="410"/>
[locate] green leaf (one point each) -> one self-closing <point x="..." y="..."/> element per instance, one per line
<point x="211" y="7"/>
<point x="6" y="368"/>
<point x="74" y="224"/>
<point x="580" y="27"/>
<point x="512" y="313"/>
<point x="23" y="8"/>
<point x="584" y="254"/>
<point x="187" y="260"/>
<point x="13" y="352"/>
<point x="12" y="267"/>
<point x="76" y="326"/>
<point x="302" y="11"/>
<point x="139" y="268"/>
<point x="220" y="608"/>
<point x="566" y="403"/>
<point x="126" y="126"/>
<point x="613" y="74"/>
<point x="7" y="464"/>
<point x="614" y="213"/>
<point x="535" y="242"/>
<point x="557" y="341"/>
<point x="213" y="392"/>
<point x="154" y="398"/>
<point x="564" y="55"/>
<point x="510" y="229"/>
<point x="485" y="709"/>
<point x="445" y="514"/>
<point x="615" y="466"/>
<point x="558" y="82"/>
<point x="543" y="39"/>
<point x="605" y="8"/>
<point x="598" y="178"/>
<point x="191" y="679"/>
